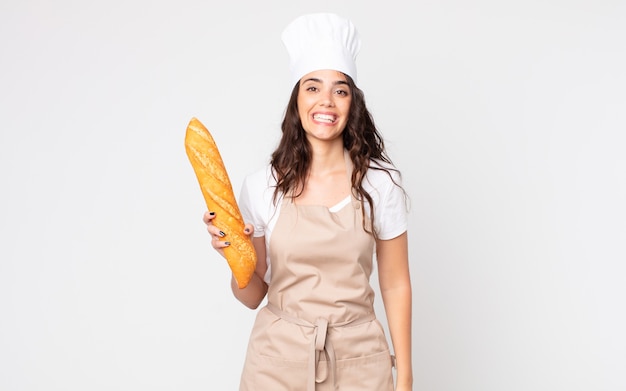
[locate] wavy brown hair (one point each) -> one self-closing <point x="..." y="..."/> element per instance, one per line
<point x="291" y="160"/>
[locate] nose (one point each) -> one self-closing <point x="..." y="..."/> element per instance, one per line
<point x="327" y="99"/>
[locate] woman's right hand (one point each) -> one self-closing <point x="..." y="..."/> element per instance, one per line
<point x="218" y="240"/>
<point x="217" y="235"/>
<point x="252" y="295"/>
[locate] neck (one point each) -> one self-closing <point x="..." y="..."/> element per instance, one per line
<point x="327" y="158"/>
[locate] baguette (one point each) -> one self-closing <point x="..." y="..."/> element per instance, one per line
<point x="217" y="191"/>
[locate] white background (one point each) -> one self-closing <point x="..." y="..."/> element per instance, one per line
<point x="507" y="119"/>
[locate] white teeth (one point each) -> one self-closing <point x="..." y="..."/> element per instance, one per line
<point x="324" y="118"/>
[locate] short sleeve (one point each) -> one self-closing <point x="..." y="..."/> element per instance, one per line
<point x="249" y="206"/>
<point x="255" y="200"/>
<point x="390" y="204"/>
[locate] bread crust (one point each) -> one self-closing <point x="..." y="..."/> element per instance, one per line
<point x="219" y="197"/>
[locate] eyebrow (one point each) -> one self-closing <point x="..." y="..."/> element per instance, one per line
<point x="337" y="82"/>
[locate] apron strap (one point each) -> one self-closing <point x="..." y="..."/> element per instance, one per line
<point x="320" y="344"/>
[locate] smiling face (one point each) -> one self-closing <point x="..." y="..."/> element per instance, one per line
<point x="324" y="104"/>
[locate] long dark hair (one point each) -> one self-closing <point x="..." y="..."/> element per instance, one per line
<point x="291" y="160"/>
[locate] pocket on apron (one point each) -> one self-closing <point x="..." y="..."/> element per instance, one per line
<point x="272" y="361"/>
<point x="367" y="373"/>
<point x="273" y="373"/>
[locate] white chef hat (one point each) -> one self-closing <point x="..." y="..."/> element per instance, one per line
<point x="321" y="41"/>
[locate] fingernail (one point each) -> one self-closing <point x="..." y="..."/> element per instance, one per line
<point x="222" y="234"/>
<point x="227" y="243"/>
<point x="212" y="213"/>
<point x="246" y="230"/>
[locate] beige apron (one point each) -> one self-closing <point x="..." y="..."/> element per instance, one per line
<point x="318" y="331"/>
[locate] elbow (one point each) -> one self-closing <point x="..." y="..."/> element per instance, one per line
<point x="251" y="296"/>
<point x="253" y="305"/>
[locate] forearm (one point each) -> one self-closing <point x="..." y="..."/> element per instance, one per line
<point x="395" y="286"/>
<point x="398" y="305"/>
<point x="252" y="295"/>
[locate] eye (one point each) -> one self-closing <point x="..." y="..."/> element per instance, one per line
<point x="341" y="92"/>
<point x="311" y="88"/>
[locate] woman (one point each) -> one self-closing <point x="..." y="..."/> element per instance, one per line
<point x="329" y="199"/>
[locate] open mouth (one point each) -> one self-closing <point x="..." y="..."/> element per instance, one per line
<point x="329" y="119"/>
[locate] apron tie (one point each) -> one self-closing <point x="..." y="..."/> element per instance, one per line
<point x="320" y="344"/>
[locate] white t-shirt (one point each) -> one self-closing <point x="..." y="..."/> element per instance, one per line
<point x="258" y="208"/>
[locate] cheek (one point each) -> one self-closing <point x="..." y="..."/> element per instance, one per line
<point x="301" y="114"/>
<point x="300" y="104"/>
<point x="346" y="108"/>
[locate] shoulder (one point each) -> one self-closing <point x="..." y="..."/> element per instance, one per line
<point x="257" y="191"/>
<point x="260" y="180"/>
<point x="383" y="183"/>
<point x="255" y="199"/>
<point x="382" y="176"/>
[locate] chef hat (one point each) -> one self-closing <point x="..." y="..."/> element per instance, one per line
<point x="321" y="41"/>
